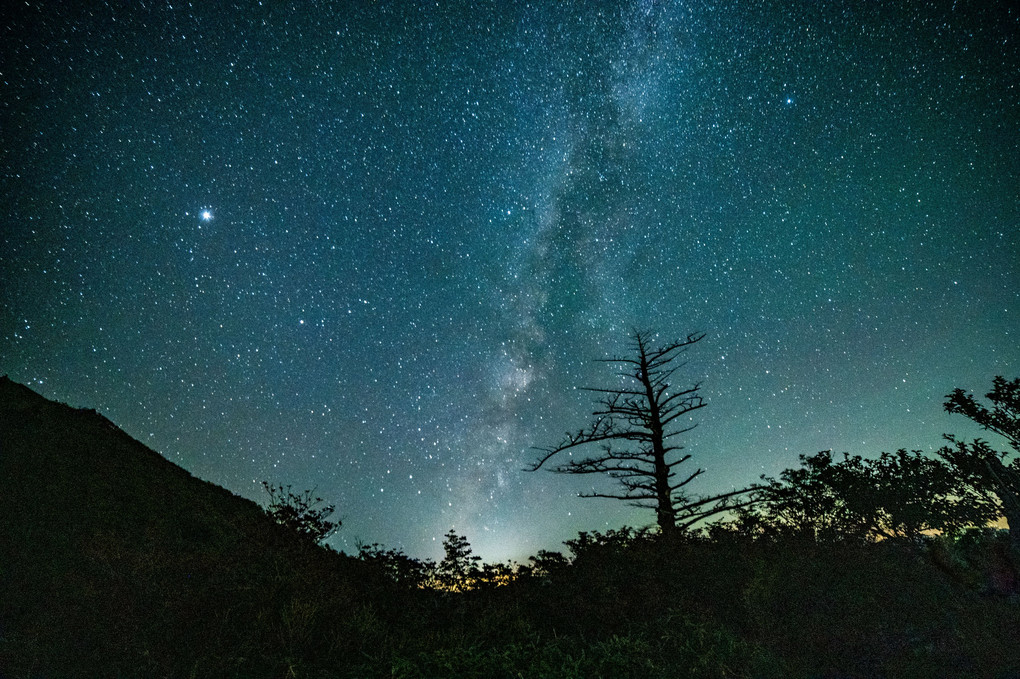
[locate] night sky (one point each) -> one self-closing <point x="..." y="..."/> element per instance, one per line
<point x="375" y="248"/>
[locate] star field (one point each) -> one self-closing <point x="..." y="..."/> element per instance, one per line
<point x="374" y="248"/>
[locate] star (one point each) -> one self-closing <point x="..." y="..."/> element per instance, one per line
<point x="465" y="251"/>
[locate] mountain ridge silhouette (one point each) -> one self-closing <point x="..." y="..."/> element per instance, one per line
<point x="114" y="559"/>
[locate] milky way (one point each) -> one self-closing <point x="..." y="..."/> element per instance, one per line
<point x="377" y="248"/>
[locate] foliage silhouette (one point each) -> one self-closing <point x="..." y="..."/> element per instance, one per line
<point x="637" y="427"/>
<point x="985" y="472"/>
<point x="897" y="495"/>
<point x="459" y="569"/>
<point x="404" y="570"/>
<point x="300" y="512"/>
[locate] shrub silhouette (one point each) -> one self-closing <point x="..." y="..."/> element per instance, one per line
<point x="984" y="472"/>
<point x="300" y="512"/>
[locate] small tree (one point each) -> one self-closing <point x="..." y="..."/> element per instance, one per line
<point x="981" y="468"/>
<point x="638" y="427"/>
<point x="460" y="568"/>
<point x="299" y="512"/>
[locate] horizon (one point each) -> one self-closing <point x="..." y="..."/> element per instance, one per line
<point x="975" y="431"/>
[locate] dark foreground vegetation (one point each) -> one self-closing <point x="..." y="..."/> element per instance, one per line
<point x="116" y="563"/>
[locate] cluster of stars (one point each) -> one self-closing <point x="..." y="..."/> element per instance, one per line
<point x="376" y="250"/>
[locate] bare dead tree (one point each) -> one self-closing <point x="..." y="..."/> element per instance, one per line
<point x="638" y="428"/>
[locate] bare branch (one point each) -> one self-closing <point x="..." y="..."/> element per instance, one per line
<point x="690" y="478"/>
<point x="679" y="461"/>
<point x="617" y="497"/>
<point x="721" y="504"/>
<point x="616" y="392"/>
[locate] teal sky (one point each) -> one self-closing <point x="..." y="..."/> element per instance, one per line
<point x="375" y="248"/>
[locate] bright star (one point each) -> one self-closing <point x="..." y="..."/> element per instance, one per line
<point x="206" y="215"/>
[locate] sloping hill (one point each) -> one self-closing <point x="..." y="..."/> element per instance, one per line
<point x="114" y="561"/>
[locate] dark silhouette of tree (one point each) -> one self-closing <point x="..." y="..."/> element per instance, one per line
<point x="901" y="494"/>
<point x="402" y="569"/>
<point x="821" y="497"/>
<point x="460" y="568"/>
<point x="300" y="512"/>
<point x="637" y="426"/>
<point x="981" y="468"/>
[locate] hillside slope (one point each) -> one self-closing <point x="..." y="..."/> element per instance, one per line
<point x="114" y="560"/>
